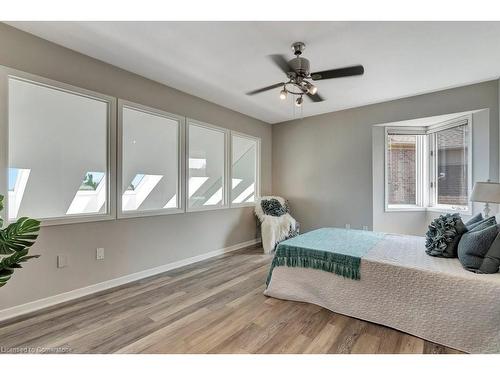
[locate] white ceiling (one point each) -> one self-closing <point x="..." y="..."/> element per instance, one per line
<point x="220" y="61"/>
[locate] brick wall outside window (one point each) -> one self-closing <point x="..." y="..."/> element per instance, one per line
<point x="401" y="172"/>
<point x="452" y="169"/>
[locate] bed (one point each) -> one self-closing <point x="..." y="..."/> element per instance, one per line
<point x="397" y="285"/>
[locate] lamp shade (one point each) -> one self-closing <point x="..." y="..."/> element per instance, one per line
<point x="488" y="192"/>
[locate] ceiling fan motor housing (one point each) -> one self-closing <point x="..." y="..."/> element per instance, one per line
<point x="300" y="65"/>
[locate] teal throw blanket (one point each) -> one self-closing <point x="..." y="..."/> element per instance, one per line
<point x="329" y="249"/>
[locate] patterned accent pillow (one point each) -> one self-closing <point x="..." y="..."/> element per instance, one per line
<point x="443" y="236"/>
<point x="273" y="207"/>
<point x="479" y="250"/>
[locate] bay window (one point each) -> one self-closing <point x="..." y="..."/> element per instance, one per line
<point x="429" y="168"/>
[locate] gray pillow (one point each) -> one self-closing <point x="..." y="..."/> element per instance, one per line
<point x="483" y="224"/>
<point x="477" y="245"/>
<point x="474" y="219"/>
<point x="443" y="236"/>
<point x="491" y="261"/>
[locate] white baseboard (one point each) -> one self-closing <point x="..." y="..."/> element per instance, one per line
<point x="29" y="307"/>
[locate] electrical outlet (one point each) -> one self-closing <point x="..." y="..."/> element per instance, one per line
<point x="99" y="254"/>
<point x="348" y="226"/>
<point x="62" y="261"/>
<point x="365" y="227"/>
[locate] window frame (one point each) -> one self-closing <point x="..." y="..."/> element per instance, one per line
<point x="226" y="174"/>
<point x="420" y="171"/>
<point x="257" y="169"/>
<point x="5" y="75"/>
<point x="433" y="160"/>
<point x="426" y="167"/>
<point x="114" y="153"/>
<point x="181" y="120"/>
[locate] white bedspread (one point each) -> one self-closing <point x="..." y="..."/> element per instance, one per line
<point x="404" y="288"/>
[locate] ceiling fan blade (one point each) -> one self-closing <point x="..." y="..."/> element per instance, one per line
<point x="265" y="89"/>
<point x="282" y="63"/>
<point x="316" y="98"/>
<point x="337" y="73"/>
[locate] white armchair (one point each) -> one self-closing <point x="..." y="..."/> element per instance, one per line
<point x="276" y="223"/>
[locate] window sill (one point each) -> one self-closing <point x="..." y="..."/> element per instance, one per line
<point x="225" y="207"/>
<point x="240" y="205"/>
<point x="405" y="209"/>
<point x="449" y="210"/>
<point x="134" y="214"/>
<point x="73" y="220"/>
<point x="444" y="210"/>
<point x="208" y="208"/>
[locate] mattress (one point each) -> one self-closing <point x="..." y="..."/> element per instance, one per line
<point x="404" y="288"/>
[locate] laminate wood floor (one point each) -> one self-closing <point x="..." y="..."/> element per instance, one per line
<point x="214" y="306"/>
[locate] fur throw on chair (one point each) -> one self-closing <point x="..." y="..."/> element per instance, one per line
<point x="276" y="223"/>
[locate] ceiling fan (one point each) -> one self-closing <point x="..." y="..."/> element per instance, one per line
<point x="298" y="74"/>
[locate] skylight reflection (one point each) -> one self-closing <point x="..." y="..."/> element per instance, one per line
<point x="245" y="194"/>
<point x="214" y="199"/>
<point x="139" y="189"/>
<point x="172" y="203"/>
<point x="18" y="179"/>
<point x="195" y="183"/>
<point x="236" y="182"/>
<point x="197" y="163"/>
<point x="91" y="195"/>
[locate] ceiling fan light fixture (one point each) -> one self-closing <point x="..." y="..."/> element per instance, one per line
<point x="283" y="94"/>
<point x="299" y="101"/>
<point x="311" y="89"/>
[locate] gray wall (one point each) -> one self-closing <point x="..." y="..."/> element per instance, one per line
<point x="131" y="245"/>
<point x="323" y="164"/>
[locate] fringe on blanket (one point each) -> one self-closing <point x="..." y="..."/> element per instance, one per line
<point x="340" y="264"/>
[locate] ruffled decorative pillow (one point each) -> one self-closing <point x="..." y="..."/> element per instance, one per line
<point x="443" y="236"/>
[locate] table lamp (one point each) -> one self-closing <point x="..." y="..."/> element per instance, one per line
<point x="486" y="192"/>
